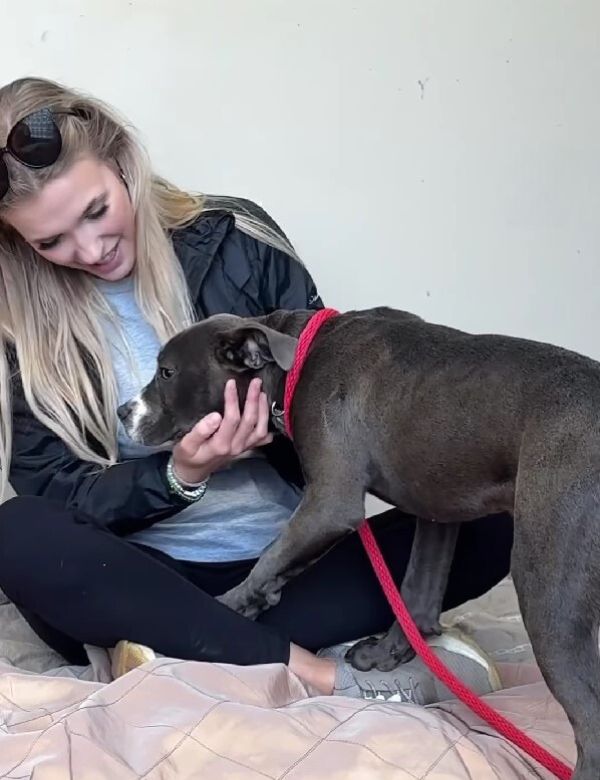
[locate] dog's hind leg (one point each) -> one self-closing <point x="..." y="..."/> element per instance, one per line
<point x="556" y="571"/>
<point x="423" y="590"/>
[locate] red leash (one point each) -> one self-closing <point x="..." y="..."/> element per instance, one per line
<point x="458" y="688"/>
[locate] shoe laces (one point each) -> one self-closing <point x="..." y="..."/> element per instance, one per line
<point x="385" y="690"/>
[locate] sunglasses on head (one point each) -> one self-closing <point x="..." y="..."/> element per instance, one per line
<point x="35" y="141"/>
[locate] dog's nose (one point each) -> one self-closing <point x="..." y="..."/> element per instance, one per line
<point x="125" y="410"/>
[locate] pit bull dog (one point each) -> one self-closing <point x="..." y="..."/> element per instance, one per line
<point x="445" y="425"/>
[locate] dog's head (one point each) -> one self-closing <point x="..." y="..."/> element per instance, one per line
<point x="193" y="368"/>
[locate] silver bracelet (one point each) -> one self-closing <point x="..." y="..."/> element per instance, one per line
<point x="190" y="493"/>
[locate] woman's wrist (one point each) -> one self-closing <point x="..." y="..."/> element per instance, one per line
<point x="190" y="491"/>
<point x="189" y="477"/>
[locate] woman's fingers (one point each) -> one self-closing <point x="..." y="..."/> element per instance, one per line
<point x="199" y="435"/>
<point x="250" y="418"/>
<point x="220" y="443"/>
<point x="218" y="438"/>
<point x="261" y="434"/>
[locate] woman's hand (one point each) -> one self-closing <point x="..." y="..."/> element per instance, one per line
<point x="216" y="439"/>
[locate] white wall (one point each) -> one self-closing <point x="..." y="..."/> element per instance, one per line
<point x="442" y="157"/>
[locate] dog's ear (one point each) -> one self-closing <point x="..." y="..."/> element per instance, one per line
<point x="253" y="346"/>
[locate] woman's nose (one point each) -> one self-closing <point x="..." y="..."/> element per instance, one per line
<point x="89" y="248"/>
<point x="89" y="255"/>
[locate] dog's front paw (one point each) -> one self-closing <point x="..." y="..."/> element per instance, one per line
<point x="250" y="603"/>
<point x="377" y="653"/>
<point x="239" y="600"/>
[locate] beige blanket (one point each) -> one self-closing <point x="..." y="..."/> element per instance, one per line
<point x="173" y="719"/>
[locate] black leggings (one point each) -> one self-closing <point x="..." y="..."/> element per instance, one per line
<point x="75" y="582"/>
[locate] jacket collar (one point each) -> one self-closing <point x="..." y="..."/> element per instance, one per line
<point x="197" y="244"/>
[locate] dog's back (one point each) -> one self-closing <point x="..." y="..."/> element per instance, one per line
<point x="440" y="416"/>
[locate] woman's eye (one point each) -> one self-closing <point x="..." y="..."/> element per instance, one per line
<point x="166" y="373"/>
<point x="46" y="246"/>
<point x="99" y="213"/>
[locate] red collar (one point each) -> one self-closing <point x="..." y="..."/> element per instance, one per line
<point x="304" y="344"/>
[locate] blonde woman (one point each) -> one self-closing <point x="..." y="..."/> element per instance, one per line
<point x="101" y="261"/>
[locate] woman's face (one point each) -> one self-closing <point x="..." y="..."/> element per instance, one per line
<point x="83" y="219"/>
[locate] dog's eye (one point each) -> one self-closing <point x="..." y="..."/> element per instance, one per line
<point x="166" y="373"/>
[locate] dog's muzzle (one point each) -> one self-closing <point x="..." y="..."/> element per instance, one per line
<point x="131" y="415"/>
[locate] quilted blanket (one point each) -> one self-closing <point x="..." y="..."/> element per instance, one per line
<point x="175" y="719"/>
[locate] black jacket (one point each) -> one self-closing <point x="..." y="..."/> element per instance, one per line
<point x="227" y="271"/>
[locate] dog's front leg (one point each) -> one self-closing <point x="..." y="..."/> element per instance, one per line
<point x="321" y="520"/>
<point x="423" y="590"/>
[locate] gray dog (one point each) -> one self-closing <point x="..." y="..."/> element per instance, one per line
<point x="447" y="426"/>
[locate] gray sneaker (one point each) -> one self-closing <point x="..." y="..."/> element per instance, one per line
<point x="413" y="682"/>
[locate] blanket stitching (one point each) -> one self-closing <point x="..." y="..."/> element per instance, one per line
<point x="47" y="712"/>
<point x="374" y="752"/>
<point x="188" y="735"/>
<point x="80" y="705"/>
<point x="455" y="753"/>
<point x="62" y="718"/>
<point x="469" y="745"/>
<point x="320" y="741"/>
<point x="185" y="735"/>
<point x="195" y="688"/>
<point x="235" y="677"/>
<point x="117" y="759"/>
<point x="442" y="755"/>
<point x="298" y="722"/>
<point x="228" y="758"/>
<point x="69" y="735"/>
<point x="282" y="710"/>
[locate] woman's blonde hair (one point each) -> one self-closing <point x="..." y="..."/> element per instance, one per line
<point x="51" y="318"/>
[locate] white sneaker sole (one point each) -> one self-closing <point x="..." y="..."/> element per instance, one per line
<point x="454" y="641"/>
